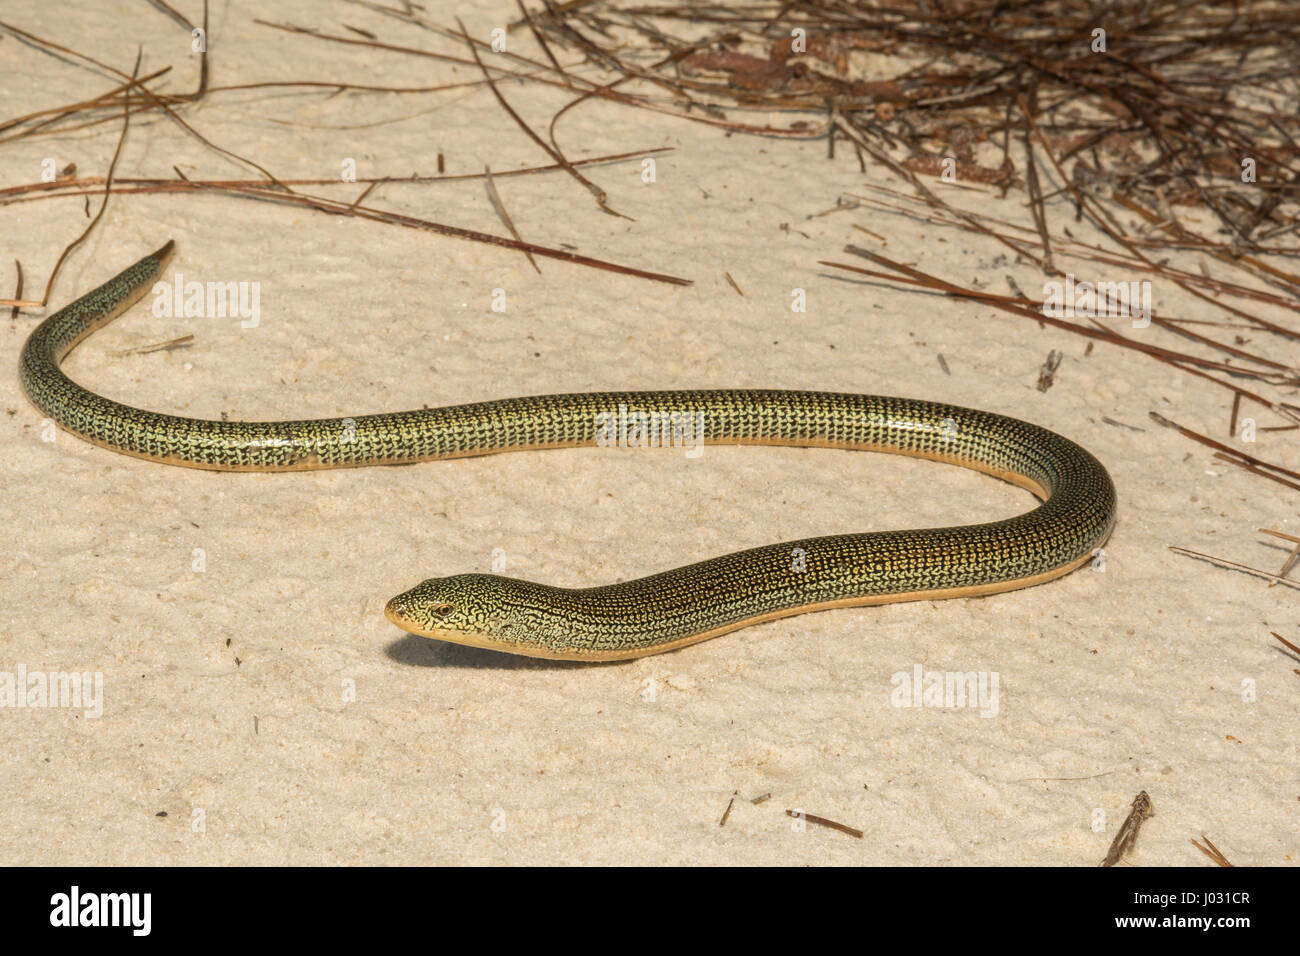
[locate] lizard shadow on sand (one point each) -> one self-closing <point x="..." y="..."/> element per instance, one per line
<point x="423" y="652"/>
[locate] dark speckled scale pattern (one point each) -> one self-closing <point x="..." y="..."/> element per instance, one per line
<point x="663" y="608"/>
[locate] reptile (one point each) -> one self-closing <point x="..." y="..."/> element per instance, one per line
<point x="675" y="607"/>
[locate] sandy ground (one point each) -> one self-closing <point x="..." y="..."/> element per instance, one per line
<point x="262" y="710"/>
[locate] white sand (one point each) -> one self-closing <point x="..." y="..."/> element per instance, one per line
<point x="225" y="691"/>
